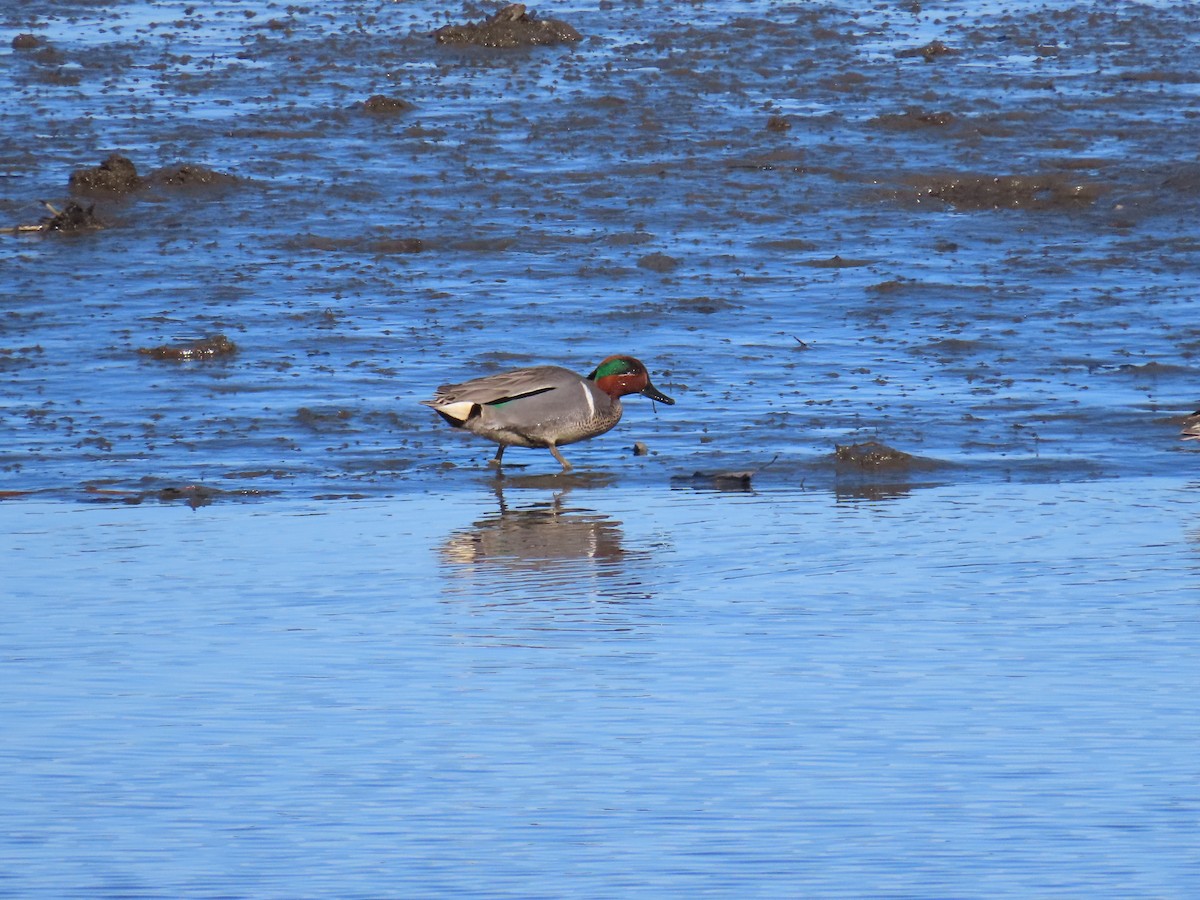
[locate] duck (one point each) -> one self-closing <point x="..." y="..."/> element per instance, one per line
<point x="1191" y="427"/>
<point x="544" y="406"/>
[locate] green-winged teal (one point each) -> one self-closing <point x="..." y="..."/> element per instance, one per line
<point x="544" y="406"/>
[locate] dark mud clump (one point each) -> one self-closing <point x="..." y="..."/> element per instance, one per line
<point x="116" y="175"/>
<point x="510" y="27"/>
<point x="658" y="262"/>
<point x="836" y="262"/>
<point x="929" y="52"/>
<point x="973" y="192"/>
<point x="716" y="481"/>
<point x="72" y="218"/>
<point x="186" y="175"/>
<point x="379" y="105"/>
<point x="872" y="455"/>
<point x="215" y="347"/>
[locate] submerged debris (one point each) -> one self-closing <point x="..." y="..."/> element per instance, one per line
<point x="738" y="480"/>
<point x="323" y="419"/>
<point x="72" y="217"/>
<point x="510" y="27"/>
<point x="193" y="495"/>
<point x="378" y="240"/>
<point x="396" y="245"/>
<point x="720" y="481"/>
<point x="209" y="348"/>
<point x="914" y="119"/>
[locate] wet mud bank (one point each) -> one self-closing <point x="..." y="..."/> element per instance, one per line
<point x="113" y="180"/>
<point x="1035" y="191"/>
<point x="947" y="231"/>
<point x="511" y="26"/>
<point x="118" y="175"/>
<point x="216" y="347"/>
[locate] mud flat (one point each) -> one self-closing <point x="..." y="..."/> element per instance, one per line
<point x="823" y="225"/>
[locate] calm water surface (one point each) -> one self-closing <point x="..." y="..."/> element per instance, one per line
<point x="362" y="666"/>
<point x="595" y="692"/>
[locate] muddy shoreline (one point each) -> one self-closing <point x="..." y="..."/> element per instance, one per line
<point x="967" y="236"/>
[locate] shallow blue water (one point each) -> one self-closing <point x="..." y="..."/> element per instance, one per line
<point x="968" y="691"/>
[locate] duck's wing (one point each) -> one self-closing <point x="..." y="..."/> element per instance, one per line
<point x="503" y="387"/>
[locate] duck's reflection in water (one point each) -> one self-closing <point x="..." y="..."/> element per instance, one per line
<point x="539" y="536"/>
<point x="566" y="562"/>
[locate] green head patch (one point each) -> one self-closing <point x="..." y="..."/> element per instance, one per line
<point x="618" y="365"/>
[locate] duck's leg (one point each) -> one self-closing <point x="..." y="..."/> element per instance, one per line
<point x="566" y="465"/>
<point x="495" y="461"/>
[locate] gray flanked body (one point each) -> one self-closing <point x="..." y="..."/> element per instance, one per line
<point x="543" y="406"/>
<point x="539" y="407"/>
<point x="1191" y="427"/>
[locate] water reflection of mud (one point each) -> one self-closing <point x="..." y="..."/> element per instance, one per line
<point x="873" y="492"/>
